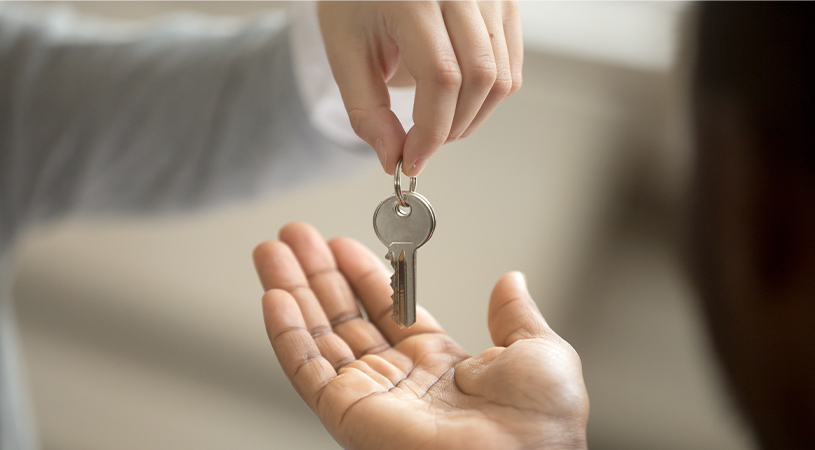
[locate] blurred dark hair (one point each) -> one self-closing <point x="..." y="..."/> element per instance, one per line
<point x="754" y="208"/>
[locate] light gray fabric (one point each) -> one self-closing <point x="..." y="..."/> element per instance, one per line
<point x="16" y="426"/>
<point x="99" y="118"/>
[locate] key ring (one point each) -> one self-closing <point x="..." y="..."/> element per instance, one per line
<point x="397" y="184"/>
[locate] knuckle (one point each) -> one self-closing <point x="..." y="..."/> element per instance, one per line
<point x="483" y="75"/>
<point x="517" y="81"/>
<point x="448" y="74"/>
<point x="502" y="86"/>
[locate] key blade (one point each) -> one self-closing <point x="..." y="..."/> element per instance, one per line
<point x="403" y="284"/>
<point x="398" y="286"/>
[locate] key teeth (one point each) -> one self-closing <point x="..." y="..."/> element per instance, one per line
<point x="394" y="287"/>
<point x="390" y="256"/>
<point x="394" y="259"/>
<point x="393" y="295"/>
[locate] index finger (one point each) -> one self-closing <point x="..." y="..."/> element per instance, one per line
<point x="427" y="51"/>
<point x="357" y="68"/>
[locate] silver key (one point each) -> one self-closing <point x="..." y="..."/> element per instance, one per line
<point x="403" y="231"/>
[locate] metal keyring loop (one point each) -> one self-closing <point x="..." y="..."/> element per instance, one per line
<point x="397" y="184"/>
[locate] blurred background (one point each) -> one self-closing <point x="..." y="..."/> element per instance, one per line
<point x="147" y="333"/>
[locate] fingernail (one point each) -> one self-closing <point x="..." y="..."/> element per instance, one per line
<point x="379" y="147"/>
<point x="418" y="166"/>
<point x="520" y="277"/>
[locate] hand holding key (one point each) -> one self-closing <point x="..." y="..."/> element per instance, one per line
<point x="465" y="58"/>
<point x="375" y="385"/>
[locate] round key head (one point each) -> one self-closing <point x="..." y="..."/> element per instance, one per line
<point x="393" y="223"/>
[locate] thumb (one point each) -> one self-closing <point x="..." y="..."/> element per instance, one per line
<point x="543" y="374"/>
<point x="513" y="315"/>
<point x="502" y="374"/>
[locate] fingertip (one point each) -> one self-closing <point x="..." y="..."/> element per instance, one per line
<point x="394" y="148"/>
<point x="510" y="285"/>
<point x="303" y="239"/>
<point x="519" y="278"/>
<point x="341" y="244"/>
<point x="261" y="252"/>
<point x="277" y="265"/>
<point x="265" y="255"/>
<point x="293" y="229"/>
<point x="419" y="147"/>
<point x="417" y="167"/>
<point x="277" y="300"/>
<point x="412" y="154"/>
<point x="412" y="166"/>
<point x="309" y="247"/>
<point x="343" y="248"/>
<point x="517" y="81"/>
<point x="513" y="314"/>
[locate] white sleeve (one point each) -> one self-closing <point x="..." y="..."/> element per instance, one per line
<point x="318" y="88"/>
<point x="100" y="116"/>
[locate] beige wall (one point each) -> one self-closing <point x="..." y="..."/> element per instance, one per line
<point x="146" y="333"/>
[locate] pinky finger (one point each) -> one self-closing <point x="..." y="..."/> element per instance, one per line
<point x="294" y="347"/>
<point x="515" y="43"/>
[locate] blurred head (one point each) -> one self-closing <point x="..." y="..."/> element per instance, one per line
<point x="754" y="208"/>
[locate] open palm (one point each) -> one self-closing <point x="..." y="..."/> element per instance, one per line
<point x="377" y="386"/>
